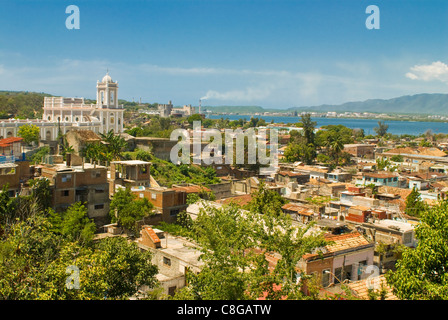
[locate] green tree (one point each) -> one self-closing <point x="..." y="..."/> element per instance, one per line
<point x="266" y="201"/>
<point x="381" y="130"/>
<point x="39" y="155"/>
<point x="335" y="145"/>
<point x="233" y="245"/>
<point x="41" y="192"/>
<point x="308" y="128"/>
<point x="382" y="163"/>
<point x="397" y="158"/>
<point x="29" y="132"/>
<point x="414" y="204"/>
<point x="193" y="198"/>
<point x="75" y="224"/>
<point x="421" y="272"/>
<point x="126" y="209"/>
<point x="92" y="151"/>
<point x="115" y="145"/>
<point x="128" y="268"/>
<point x="35" y="261"/>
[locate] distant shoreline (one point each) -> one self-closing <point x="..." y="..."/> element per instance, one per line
<point x="410" y="119"/>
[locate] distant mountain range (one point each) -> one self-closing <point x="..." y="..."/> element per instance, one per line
<point x="425" y="103"/>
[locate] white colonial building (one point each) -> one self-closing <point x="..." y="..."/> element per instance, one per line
<point x="72" y="113"/>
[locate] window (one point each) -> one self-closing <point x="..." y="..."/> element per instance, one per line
<point x="407" y="237"/>
<point x="66" y="177"/>
<point x="172" y="290"/>
<point x="325" y="278"/>
<point x="153" y="196"/>
<point x="361" y="268"/>
<point x="65" y="193"/>
<point x="174" y="212"/>
<point x="96" y="174"/>
<point x="99" y="206"/>
<point x="167" y="261"/>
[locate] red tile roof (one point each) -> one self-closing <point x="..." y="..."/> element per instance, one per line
<point x="380" y="175"/>
<point x="291" y="174"/>
<point x="340" y="243"/>
<point x="239" y="200"/>
<point x="361" y="288"/>
<point x="8" y="141"/>
<point x="300" y="209"/>
<point x="191" y="189"/>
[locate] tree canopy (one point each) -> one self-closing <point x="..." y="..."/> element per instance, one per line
<point x="421" y="273"/>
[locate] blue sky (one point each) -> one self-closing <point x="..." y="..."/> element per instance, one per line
<point x="269" y="53"/>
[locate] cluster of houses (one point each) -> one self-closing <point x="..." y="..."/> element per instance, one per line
<point x="359" y="209"/>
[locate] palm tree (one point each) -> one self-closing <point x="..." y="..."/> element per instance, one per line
<point x="115" y="144"/>
<point x="66" y="148"/>
<point x="335" y="147"/>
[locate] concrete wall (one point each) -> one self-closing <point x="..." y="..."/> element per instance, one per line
<point x="221" y="190"/>
<point x="353" y="259"/>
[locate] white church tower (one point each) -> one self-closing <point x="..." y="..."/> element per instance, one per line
<point x="110" y="113"/>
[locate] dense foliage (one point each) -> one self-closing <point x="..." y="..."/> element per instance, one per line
<point x="126" y="209"/>
<point x="21" y="104"/>
<point x="421" y="273"/>
<point x="51" y="256"/>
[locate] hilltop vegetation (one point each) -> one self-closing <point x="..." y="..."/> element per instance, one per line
<point x="21" y="104"/>
<point x="166" y="173"/>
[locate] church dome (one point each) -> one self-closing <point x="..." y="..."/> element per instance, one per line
<point x="107" y="78"/>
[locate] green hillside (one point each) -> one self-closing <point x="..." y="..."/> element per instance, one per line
<point x="435" y="103"/>
<point x="21" y="104"/>
<point x="425" y="103"/>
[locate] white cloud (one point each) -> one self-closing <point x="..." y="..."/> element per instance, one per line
<point x="429" y="72"/>
<point x="248" y="95"/>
